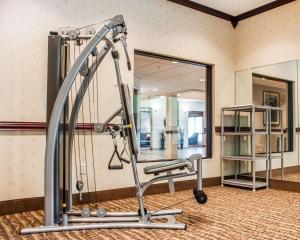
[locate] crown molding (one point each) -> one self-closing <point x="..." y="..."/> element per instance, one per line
<point x="234" y="20"/>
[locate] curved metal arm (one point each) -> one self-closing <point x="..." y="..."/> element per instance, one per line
<point x="52" y="134"/>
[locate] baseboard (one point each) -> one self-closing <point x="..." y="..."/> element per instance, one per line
<point x="285" y="185"/>
<point x="21" y="205"/>
<point x="277" y="171"/>
<point x="37" y="203"/>
<point x="287" y="170"/>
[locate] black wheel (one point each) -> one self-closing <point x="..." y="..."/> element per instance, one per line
<point x="200" y="196"/>
<point x="145" y="210"/>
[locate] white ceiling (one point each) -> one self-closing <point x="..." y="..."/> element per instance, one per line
<point x="233" y="7"/>
<point x="159" y="77"/>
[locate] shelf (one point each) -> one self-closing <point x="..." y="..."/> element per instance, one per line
<point x="276" y="133"/>
<point x="249" y="131"/>
<point x="276" y="109"/>
<point x="245" y="158"/>
<point x="244" y="183"/>
<point x="246" y="108"/>
<point x="243" y="133"/>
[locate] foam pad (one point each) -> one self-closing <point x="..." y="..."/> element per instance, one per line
<point x="169" y="165"/>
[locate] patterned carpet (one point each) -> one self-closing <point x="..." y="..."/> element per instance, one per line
<point x="230" y="213"/>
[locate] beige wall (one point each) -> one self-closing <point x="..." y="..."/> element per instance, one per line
<point x="268" y="38"/>
<point x="154" y="25"/>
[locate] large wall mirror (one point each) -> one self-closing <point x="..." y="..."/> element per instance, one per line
<point x="275" y="85"/>
<point x="172" y="107"/>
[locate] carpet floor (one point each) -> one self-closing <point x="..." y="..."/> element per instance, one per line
<point x="230" y="213"/>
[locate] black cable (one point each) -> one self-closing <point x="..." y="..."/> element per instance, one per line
<point x="78" y="139"/>
<point x="72" y="102"/>
<point x="84" y="140"/>
<point x="92" y="142"/>
<point x="97" y="86"/>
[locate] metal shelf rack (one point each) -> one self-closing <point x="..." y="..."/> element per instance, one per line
<point x="251" y="132"/>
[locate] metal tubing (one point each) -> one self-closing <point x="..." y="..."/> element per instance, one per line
<point x="222" y="147"/>
<point x="55" y="74"/>
<point x="83" y="37"/>
<point x="139" y="188"/>
<point x="253" y="150"/>
<point x="102" y="219"/>
<point x="175" y="226"/>
<point x="199" y="174"/>
<point x="270" y="142"/>
<point x="282" y="146"/>
<point x="54" y="125"/>
<point x="115" y="55"/>
<point x="235" y="142"/>
<point x="165" y="177"/>
<point x="267" y="149"/>
<point x="171" y="183"/>
<point x="132" y="214"/>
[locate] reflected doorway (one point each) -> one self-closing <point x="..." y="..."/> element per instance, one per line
<point x="145" y="129"/>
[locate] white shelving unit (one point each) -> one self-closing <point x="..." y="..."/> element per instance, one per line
<point x="250" y="132"/>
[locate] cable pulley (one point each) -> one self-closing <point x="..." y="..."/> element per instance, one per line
<point x="79" y="187"/>
<point x="84" y="70"/>
<point x="94" y="52"/>
<point x="101" y="212"/>
<point x="86" y="212"/>
<point x="73" y="34"/>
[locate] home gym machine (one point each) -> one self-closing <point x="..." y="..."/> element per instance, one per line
<point x="58" y="207"/>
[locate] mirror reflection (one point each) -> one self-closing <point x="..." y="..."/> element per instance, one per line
<point x="275" y="86"/>
<point x="170" y="107"/>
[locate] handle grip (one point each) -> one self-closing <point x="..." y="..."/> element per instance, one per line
<point x="129" y="66"/>
<point x="123" y="41"/>
<point x="115" y="167"/>
<point x="124" y="160"/>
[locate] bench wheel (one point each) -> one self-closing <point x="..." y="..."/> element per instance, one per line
<point x="200" y="196"/>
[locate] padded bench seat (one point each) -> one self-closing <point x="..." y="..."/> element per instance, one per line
<point x="167" y="166"/>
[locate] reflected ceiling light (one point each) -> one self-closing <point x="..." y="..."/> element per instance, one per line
<point x="174" y="62"/>
<point x="202" y="80"/>
<point x="154" y="90"/>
